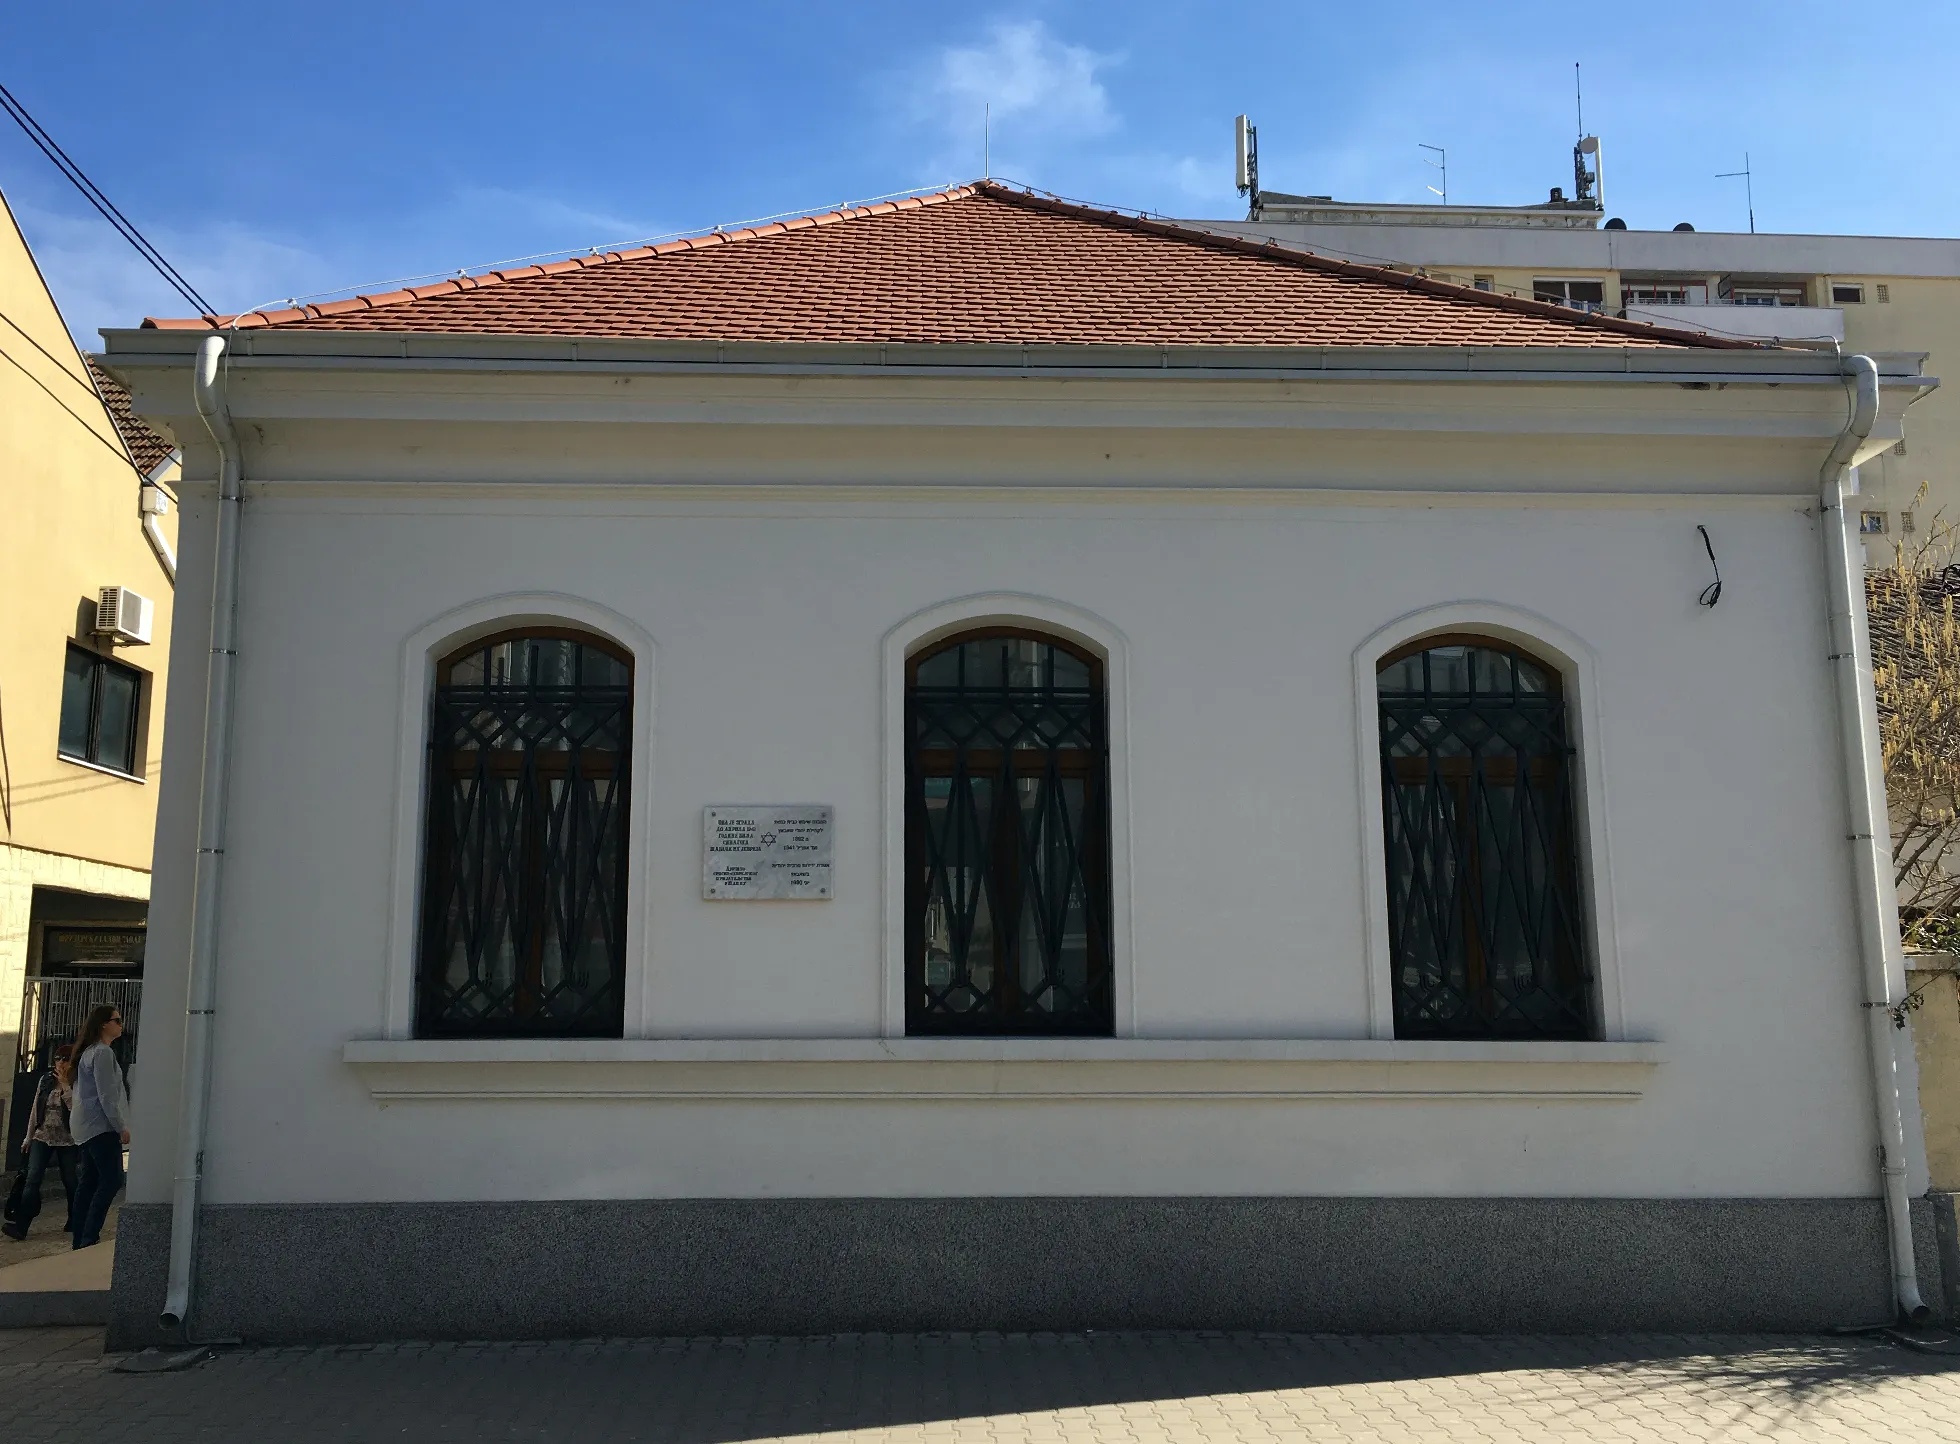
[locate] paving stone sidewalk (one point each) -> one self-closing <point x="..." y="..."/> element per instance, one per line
<point x="1017" y="1389"/>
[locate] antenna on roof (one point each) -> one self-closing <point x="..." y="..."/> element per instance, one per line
<point x="1587" y="187"/>
<point x="1442" y="163"/>
<point x="987" y="142"/>
<point x="1246" y="138"/>
<point x="1586" y="190"/>
<point x="1748" y="187"/>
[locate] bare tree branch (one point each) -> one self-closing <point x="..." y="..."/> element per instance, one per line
<point x="1916" y="673"/>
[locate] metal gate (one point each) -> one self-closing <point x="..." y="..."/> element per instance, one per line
<point x="51" y="1013"/>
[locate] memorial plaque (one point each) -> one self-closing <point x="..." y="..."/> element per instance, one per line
<point x="765" y="852"/>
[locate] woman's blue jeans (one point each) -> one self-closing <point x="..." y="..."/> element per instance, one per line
<point x="102" y="1179"/>
<point x="39" y="1156"/>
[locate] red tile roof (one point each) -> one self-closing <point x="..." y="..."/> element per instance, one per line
<point x="147" y="448"/>
<point x="979" y="264"/>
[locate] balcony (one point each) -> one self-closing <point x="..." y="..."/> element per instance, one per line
<point x="1791" y="325"/>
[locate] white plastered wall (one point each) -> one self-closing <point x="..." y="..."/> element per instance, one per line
<point x="1249" y="883"/>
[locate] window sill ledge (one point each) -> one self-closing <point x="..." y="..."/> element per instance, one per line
<point x="998" y="1069"/>
<point x="105" y="770"/>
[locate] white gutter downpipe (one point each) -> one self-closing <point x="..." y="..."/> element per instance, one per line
<point x="155" y="505"/>
<point x="1870" y="831"/>
<point x="208" y="386"/>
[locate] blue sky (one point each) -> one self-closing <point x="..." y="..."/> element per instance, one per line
<point x="275" y="150"/>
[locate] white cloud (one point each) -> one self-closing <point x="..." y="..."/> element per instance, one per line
<point x="1021" y="70"/>
<point x="1054" y="124"/>
<point x="1043" y="95"/>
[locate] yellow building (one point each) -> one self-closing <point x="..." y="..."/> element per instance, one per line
<point x="86" y="490"/>
<point x="1875" y="295"/>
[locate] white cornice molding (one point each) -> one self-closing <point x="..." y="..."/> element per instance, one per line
<point x="902" y="406"/>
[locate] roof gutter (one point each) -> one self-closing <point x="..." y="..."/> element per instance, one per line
<point x="208" y="388"/>
<point x="341" y="350"/>
<point x="1869" y="834"/>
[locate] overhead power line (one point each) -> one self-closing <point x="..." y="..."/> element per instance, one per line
<point x="93" y="193"/>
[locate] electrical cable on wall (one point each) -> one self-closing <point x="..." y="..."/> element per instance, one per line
<point x="1712" y="593"/>
<point x="6" y="777"/>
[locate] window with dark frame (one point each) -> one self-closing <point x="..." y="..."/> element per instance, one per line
<point x="1486" y="924"/>
<point x="101" y="707"/>
<point x="1007" y="839"/>
<point x="523" y="928"/>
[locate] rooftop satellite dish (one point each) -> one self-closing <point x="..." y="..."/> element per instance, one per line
<point x="1588" y="181"/>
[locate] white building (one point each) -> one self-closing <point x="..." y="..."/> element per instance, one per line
<point x="1233" y="1021"/>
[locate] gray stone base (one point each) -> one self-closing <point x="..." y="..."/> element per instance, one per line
<point x="369" y="1272"/>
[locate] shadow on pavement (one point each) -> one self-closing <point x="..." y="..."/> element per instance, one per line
<point x="734" y="1389"/>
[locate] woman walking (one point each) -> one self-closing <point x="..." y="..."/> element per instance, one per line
<point x="98" y="1120"/>
<point x="48" y="1141"/>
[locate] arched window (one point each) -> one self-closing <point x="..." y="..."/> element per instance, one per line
<point x="524" y="874"/>
<point x="1007" y="838"/>
<point x="1486" y="928"/>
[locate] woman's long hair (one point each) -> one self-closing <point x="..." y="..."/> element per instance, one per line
<point x="92" y="1026"/>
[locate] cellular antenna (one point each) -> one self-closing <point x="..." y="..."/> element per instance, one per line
<point x="1586" y="190"/>
<point x="1245" y="136"/>
<point x="1442" y="163"/>
<point x="1748" y="187"/>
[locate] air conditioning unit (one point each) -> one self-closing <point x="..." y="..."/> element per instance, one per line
<point x="124" y="615"/>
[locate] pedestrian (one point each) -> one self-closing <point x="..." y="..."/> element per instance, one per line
<point x="48" y="1141"/>
<point x="98" y="1120"/>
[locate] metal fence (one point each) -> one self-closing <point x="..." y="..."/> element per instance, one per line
<point x="52" y="1011"/>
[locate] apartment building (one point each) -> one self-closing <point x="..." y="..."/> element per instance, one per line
<point x="1879" y="295"/>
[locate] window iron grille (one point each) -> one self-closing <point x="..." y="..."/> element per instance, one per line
<point x="1486" y="935"/>
<point x="524" y="892"/>
<point x="1007" y="839"/>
